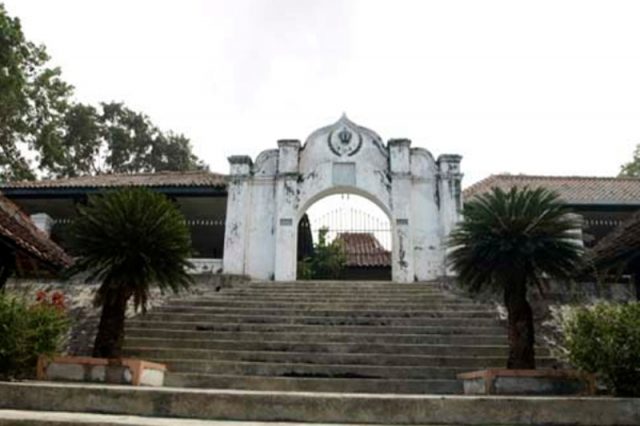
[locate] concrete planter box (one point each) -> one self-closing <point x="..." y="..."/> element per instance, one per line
<point x="101" y="370"/>
<point x="527" y="382"/>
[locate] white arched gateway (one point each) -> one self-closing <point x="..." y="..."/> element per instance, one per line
<point x="266" y="199"/>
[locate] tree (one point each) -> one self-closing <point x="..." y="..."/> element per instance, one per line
<point x="33" y="99"/>
<point x="327" y="261"/>
<point x="632" y="168"/>
<point x="38" y="121"/>
<point x="510" y="241"/>
<point x="114" y="139"/>
<point x="128" y="240"/>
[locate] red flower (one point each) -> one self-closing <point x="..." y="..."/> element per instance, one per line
<point x="41" y="296"/>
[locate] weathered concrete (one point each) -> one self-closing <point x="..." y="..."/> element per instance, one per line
<point x="320" y="407"/>
<point x="420" y="196"/>
<point x="327" y="328"/>
<point x="450" y="321"/>
<point x="100" y="370"/>
<point x="528" y="382"/>
<point x="171" y="345"/>
<point x="379" y="338"/>
<point x="371" y="358"/>
<point x="51" y="418"/>
<point x="315" y="384"/>
<point x="317" y="336"/>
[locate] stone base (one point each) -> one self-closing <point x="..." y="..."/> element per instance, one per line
<point x="527" y="382"/>
<point x="101" y="370"/>
<point x="317" y="407"/>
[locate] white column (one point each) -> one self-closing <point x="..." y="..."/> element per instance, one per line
<point x="402" y="255"/>
<point x="286" y="210"/>
<point x="238" y="207"/>
<point x="43" y="222"/>
<point x="450" y="196"/>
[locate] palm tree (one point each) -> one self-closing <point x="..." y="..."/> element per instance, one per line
<point x="128" y="240"/>
<point x="511" y="241"/>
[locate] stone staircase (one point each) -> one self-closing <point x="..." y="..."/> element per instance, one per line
<point x="367" y="337"/>
<point x="267" y="354"/>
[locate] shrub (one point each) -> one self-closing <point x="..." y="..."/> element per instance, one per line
<point x="29" y="330"/>
<point x="327" y="262"/>
<point x="605" y="339"/>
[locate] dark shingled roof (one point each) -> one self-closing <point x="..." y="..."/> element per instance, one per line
<point x="160" y="179"/>
<point x="620" y="245"/>
<point x="572" y="189"/>
<point x="364" y="250"/>
<point x="21" y="232"/>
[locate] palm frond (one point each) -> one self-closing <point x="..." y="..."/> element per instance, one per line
<point x="507" y="233"/>
<point x="132" y="239"/>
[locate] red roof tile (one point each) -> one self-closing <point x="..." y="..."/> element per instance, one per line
<point x="18" y="228"/>
<point x="572" y="189"/>
<point x="364" y="250"/>
<point x="175" y="179"/>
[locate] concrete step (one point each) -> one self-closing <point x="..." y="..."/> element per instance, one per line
<point x="412" y="339"/>
<point x="362" y="313"/>
<point x="306" y="305"/>
<point x="330" y="293"/>
<point x="345" y="371"/>
<point x="318" y="407"/>
<point x="307" y="384"/>
<point x="351" y="320"/>
<point x="329" y="284"/>
<point x="322" y="328"/>
<point x="324" y="299"/>
<point x="51" y="418"/>
<point x="147" y="343"/>
<point x="450" y="360"/>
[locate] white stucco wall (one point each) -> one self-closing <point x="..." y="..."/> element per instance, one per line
<point x="267" y="199"/>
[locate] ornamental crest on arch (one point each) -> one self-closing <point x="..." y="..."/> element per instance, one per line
<point x="344" y="141"/>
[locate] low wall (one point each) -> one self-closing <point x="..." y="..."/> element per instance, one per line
<point x="84" y="316"/>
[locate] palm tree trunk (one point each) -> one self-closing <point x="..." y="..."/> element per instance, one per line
<point x="521" y="332"/>
<point x="110" y="337"/>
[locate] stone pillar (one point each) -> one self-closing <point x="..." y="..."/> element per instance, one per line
<point x="449" y="190"/>
<point x="450" y="196"/>
<point x="286" y="210"/>
<point x="577" y="232"/>
<point x="43" y="222"/>
<point x="238" y="207"/>
<point x="400" y="166"/>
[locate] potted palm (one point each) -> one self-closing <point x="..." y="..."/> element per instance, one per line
<point x="510" y="241"/>
<point x="127" y="240"/>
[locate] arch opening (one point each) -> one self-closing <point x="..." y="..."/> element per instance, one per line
<point x="344" y="227"/>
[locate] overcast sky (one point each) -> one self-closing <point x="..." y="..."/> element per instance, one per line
<point x="537" y="87"/>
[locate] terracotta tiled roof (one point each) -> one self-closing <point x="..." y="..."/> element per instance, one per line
<point x="572" y="189"/>
<point x="175" y="179"/>
<point x="620" y="245"/>
<point x="18" y="228"/>
<point x="364" y="250"/>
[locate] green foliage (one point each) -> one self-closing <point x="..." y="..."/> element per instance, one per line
<point x="129" y="239"/>
<point x="27" y="331"/>
<point x="65" y="138"/>
<point x="520" y="233"/>
<point x="605" y="339"/>
<point x="114" y="139"/>
<point x="33" y="99"/>
<point x="509" y="241"/>
<point x="327" y="262"/>
<point x="632" y="168"/>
